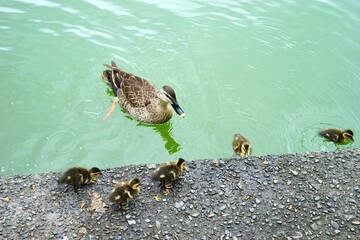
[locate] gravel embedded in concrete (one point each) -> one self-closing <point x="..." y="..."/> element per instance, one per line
<point x="294" y="196"/>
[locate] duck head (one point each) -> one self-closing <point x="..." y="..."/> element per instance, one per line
<point x="169" y="96"/>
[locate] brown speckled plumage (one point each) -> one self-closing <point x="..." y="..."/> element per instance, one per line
<point x="141" y="99"/>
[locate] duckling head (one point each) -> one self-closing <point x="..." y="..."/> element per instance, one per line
<point x="169" y="96"/>
<point x="180" y="163"/>
<point x="348" y="134"/>
<point x="95" y="172"/>
<point x="134" y="184"/>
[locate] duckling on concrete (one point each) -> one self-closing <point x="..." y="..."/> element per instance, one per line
<point x="125" y="192"/>
<point x="168" y="172"/>
<point x="79" y="176"/>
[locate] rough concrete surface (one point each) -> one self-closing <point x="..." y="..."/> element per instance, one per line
<point x="294" y="196"/>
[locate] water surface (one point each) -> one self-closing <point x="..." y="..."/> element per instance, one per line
<point x="275" y="71"/>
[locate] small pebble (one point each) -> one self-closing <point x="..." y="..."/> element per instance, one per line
<point x="222" y="207"/>
<point x="178" y="205"/>
<point x="131" y="222"/>
<point x="195" y="214"/>
<point x="294" y="172"/>
<point x="314" y="226"/>
<point x="334" y="224"/>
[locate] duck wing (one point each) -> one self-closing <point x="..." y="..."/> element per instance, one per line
<point x="137" y="91"/>
<point x="134" y="90"/>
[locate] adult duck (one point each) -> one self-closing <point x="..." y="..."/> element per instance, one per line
<point x="140" y="98"/>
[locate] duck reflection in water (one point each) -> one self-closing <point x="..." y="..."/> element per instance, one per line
<point x="165" y="131"/>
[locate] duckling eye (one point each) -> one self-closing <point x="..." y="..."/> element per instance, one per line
<point x="93" y="175"/>
<point x="347" y="135"/>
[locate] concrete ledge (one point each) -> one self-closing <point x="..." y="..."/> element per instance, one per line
<point x="294" y="196"/>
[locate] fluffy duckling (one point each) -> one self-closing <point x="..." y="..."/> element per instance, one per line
<point x="168" y="172"/>
<point x="241" y="145"/>
<point x="125" y="192"/>
<point x="78" y="176"/>
<point x="337" y="135"/>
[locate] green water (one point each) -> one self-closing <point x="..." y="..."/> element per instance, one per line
<point x="275" y="71"/>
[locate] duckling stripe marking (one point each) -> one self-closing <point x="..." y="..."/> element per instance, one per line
<point x="129" y="194"/>
<point x="173" y="173"/>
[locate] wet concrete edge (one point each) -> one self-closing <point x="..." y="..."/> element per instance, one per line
<point x="291" y="196"/>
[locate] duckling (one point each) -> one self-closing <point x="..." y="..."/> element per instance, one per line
<point x="168" y="172"/>
<point x="241" y="145"/>
<point x="125" y="192"/>
<point x="337" y="135"/>
<point x="140" y="98"/>
<point x="78" y="176"/>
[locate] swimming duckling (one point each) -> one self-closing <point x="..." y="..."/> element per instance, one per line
<point x="241" y="145"/>
<point x="78" y="176"/>
<point x="337" y="135"/>
<point x="168" y="172"/>
<point x="125" y="192"/>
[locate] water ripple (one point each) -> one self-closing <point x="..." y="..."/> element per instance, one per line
<point x="10" y="10"/>
<point x="183" y="8"/>
<point x="113" y="8"/>
<point x="6" y="49"/>
<point x="275" y="71"/>
<point x="76" y="29"/>
<point x="60" y="142"/>
<point x="40" y="3"/>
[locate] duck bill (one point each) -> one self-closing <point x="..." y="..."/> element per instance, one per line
<point x="178" y="109"/>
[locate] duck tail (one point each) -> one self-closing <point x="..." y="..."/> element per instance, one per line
<point x="112" y="77"/>
<point x="62" y="179"/>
